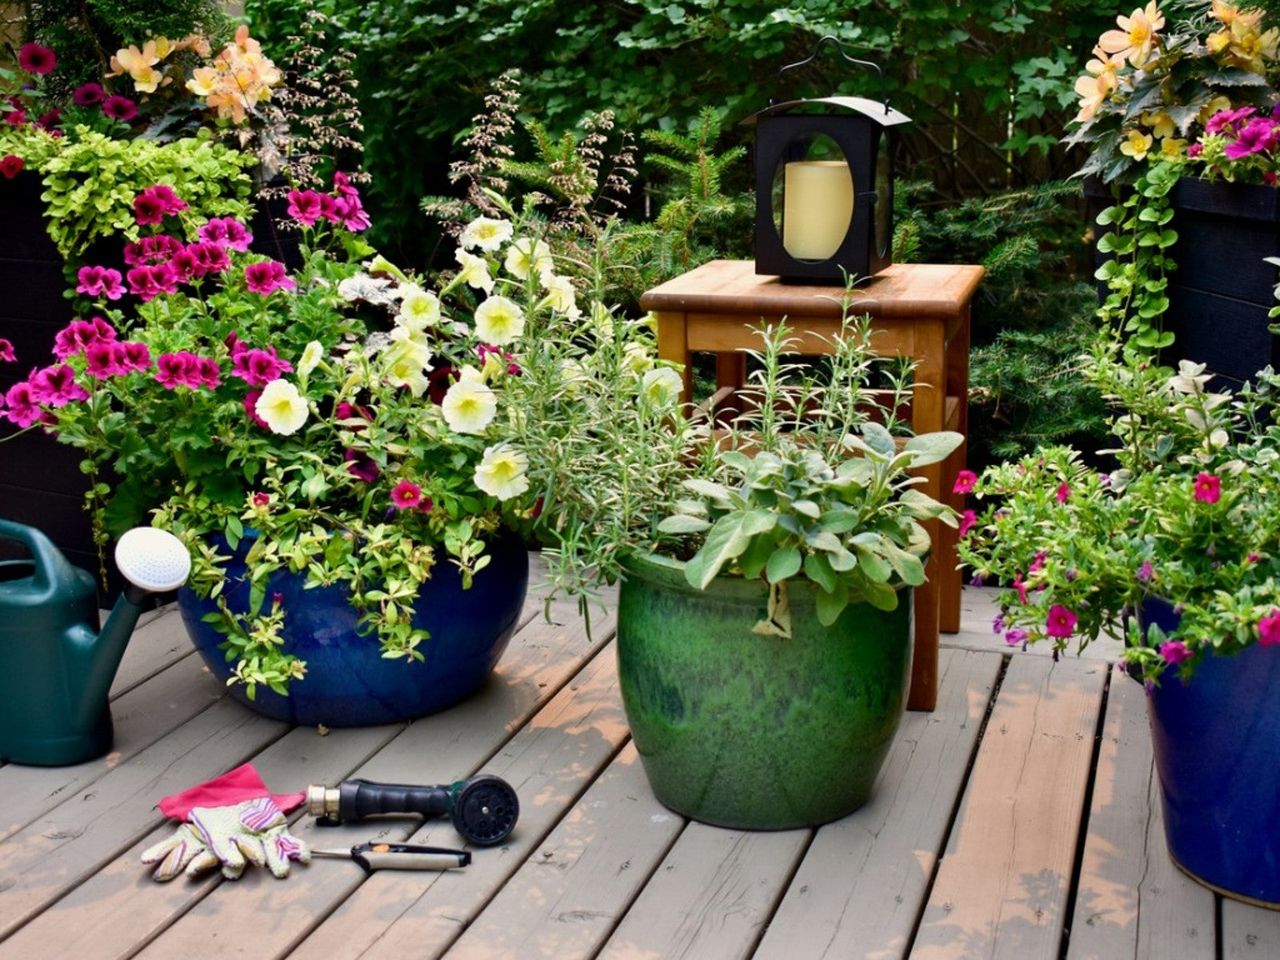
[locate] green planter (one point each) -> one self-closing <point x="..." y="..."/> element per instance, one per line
<point x="754" y="732"/>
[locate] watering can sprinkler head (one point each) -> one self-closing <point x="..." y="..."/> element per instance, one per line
<point x="153" y="561"/>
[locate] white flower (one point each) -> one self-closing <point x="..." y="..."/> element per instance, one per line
<point x="636" y="359"/>
<point x="499" y="321"/>
<point x="377" y="290"/>
<point x="407" y="360"/>
<point x="486" y="233"/>
<point x="601" y="320"/>
<point x="661" y="386"/>
<point x="502" y="472"/>
<point x="419" y="309"/>
<point x="560" y="295"/>
<point x="282" y="407"/>
<point x="526" y="257"/>
<point x="311" y="357"/>
<point x="469" y="405"/>
<point x="380" y="264"/>
<point x="473" y="271"/>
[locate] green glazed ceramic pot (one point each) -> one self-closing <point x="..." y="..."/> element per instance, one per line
<point x="755" y="732"/>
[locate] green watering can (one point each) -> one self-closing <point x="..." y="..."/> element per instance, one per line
<point x="55" y="667"/>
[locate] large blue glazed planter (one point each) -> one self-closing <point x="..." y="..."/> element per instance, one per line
<point x="1217" y="750"/>
<point x="348" y="683"/>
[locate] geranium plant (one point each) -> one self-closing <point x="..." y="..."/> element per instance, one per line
<point x="1190" y="518"/>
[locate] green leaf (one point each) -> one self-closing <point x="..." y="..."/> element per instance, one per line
<point x="818" y="569"/>
<point x="708" y="488"/>
<point x="755" y="522"/>
<point x="682" y="523"/>
<point x="880" y="595"/>
<point x="783" y="563"/>
<point x="873" y="565"/>
<point x="878" y="438"/>
<point x="753" y="559"/>
<point x="829" y="604"/>
<point x="930" y="448"/>
<point x="725" y="541"/>
<point x="907" y="566"/>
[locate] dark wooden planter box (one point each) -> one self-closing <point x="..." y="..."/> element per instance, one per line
<point x="1222" y="290"/>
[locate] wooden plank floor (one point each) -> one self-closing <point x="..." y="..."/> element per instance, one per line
<point x="1020" y="820"/>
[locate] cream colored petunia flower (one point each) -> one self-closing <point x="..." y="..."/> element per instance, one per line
<point x="419" y="308"/>
<point x="474" y="271"/>
<point x="499" y="321"/>
<point x="485" y="233"/>
<point x="661" y="386"/>
<point x="469" y="405"/>
<point x="527" y="257"/>
<point x="282" y="407"/>
<point x="502" y="472"/>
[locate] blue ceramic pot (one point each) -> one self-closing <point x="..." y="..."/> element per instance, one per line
<point x="348" y="683"/>
<point x="1217" y="750"/>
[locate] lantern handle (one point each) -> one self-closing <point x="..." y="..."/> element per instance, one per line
<point x="840" y="46"/>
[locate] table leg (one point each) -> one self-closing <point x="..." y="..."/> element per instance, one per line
<point x="957" y="380"/>
<point x="673" y="345"/>
<point x="928" y="406"/>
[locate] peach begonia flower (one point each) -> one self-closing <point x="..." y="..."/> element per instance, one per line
<point x="1229" y="13"/>
<point x="239" y="78"/>
<point x="1098" y="83"/>
<point x="1137" y="145"/>
<point x="1244" y="45"/>
<point x="140" y="64"/>
<point x="1136" y="36"/>
<point x="1171" y="149"/>
<point x="1159" y="123"/>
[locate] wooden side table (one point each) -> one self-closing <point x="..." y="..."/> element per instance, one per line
<point x="917" y="310"/>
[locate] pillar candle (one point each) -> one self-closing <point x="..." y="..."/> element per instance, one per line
<point x="817" y="208"/>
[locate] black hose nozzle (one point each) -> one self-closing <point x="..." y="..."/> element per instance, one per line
<point x="484" y="809"/>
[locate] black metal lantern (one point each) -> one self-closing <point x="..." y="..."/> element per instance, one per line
<point x="824" y="185"/>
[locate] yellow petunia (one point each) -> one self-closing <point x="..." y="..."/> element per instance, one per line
<point x="1136" y="36"/>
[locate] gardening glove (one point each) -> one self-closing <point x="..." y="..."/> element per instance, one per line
<point x="184" y="850"/>
<point x="254" y="831"/>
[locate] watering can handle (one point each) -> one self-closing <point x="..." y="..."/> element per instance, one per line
<point x="48" y="559"/>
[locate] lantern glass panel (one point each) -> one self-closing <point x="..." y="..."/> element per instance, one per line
<point x="884" y="197"/>
<point x="813" y="198"/>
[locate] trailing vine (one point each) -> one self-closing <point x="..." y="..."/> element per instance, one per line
<point x="1139" y="244"/>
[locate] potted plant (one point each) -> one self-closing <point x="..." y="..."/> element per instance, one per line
<point x="1177" y="552"/>
<point x="335" y="446"/>
<point x="1177" y="106"/>
<point x="764" y="619"/>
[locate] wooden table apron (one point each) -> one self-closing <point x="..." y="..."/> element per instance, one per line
<point x="917" y="310"/>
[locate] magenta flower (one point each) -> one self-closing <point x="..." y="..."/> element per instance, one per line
<point x="1037" y="563"/>
<point x="1146" y="573"/>
<point x="120" y="108"/>
<point x="235" y="346"/>
<point x="1015" y="636"/>
<point x="209" y="258"/>
<point x="1208" y="487"/>
<point x="1061" y="622"/>
<point x="23" y="410"/>
<point x="251" y="409"/>
<point x="349" y="411"/>
<point x="965" y="481"/>
<point x="1195" y="150"/>
<point x="1258" y="136"/>
<point x="56" y="386"/>
<point x="305" y="206"/>
<point x="360" y="466"/>
<point x="152" y="250"/>
<point x="257" y="367"/>
<point x="175" y="370"/>
<point x="1269" y="629"/>
<point x="206" y="372"/>
<point x="135" y="356"/>
<point x="968" y="520"/>
<point x="6" y="352"/>
<point x="1174" y="652"/>
<point x="406" y="495"/>
<point x="1228" y="120"/>
<point x="11" y="165"/>
<point x="34" y="58"/>
<point x="1021" y="587"/>
<point x="49" y="121"/>
<point x="342" y="184"/>
<point x="100" y="282"/>
<point x="228" y="232"/>
<point x="1064" y="492"/>
<point x="78" y="335"/>
<point x="155" y="203"/>
<point x="88" y="95"/>
<point x="104" y="359"/>
<point x="266" y="277"/>
<point x="351" y="214"/>
<point x="15" y="117"/>
<point x="261" y="499"/>
<point x="150" y="282"/>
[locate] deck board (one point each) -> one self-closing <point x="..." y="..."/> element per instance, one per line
<point x="1131" y="900"/>
<point x="968" y="847"/>
<point x="859" y="889"/>
<point x="1002" y="886"/>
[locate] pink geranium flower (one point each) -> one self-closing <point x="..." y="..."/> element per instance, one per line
<point x="351" y="214"/>
<point x="965" y="481"/>
<point x="149" y="282"/>
<point x="11" y="165"/>
<point x="209" y="257"/>
<point x="227" y="231"/>
<point x="257" y="367"/>
<point x="152" y="250"/>
<point x="155" y="203"/>
<point x="1208" y="487"/>
<point x="100" y="282"/>
<point x="1269" y="629"/>
<point x="406" y="495"/>
<point x="105" y="359"/>
<point x="120" y="108"/>
<point x="175" y="370"/>
<point x="56" y="386"/>
<point x="6" y="352"/>
<point x="1174" y="652"/>
<point x="1061" y="622"/>
<point x="22" y="410"/>
<point x="35" y="58"/>
<point x="305" y="206"/>
<point x="266" y="277"/>
<point x="78" y="335"/>
<point x="135" y="356"/>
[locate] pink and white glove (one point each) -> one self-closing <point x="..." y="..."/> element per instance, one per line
<point x="254" y="831"/>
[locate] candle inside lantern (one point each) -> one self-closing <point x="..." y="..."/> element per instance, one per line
<point x="817" y="208"/>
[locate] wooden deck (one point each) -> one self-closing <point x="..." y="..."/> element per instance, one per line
<point x="1020" y="820"/>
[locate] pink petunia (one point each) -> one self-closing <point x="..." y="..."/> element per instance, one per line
<point x="360" y="466"/>
<point x="120" y="108"/>
<point x="1259" y="136"/>
<point x="261" y="499"/>
<point x="6" y="352"/>
<point x="227" y="231"/>
<point x="1174" y="652"/>
<point x="1015" y="636"/>
<point x="1269" y="629"/>
<point x="56" y="386"/>
<point x="968" y="520"/>
<point x="266" y="277"/>
<point x="966" y="480"/>
<point x="1020" y="585"/>
<point x="1146" y="573"/>
<point x="1061" y="622"/>
<point x="11" y="165"/>
<point x="49" y="120"/>
<point x="1064" y="493"/>
<point x="100" y="282"/>
<point x="251" y="409"/>
<point x="35" y="58"/>
<point x="88" y="95"/>
<point x="1208" y="488"/>
<point x="406" y="495"/>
